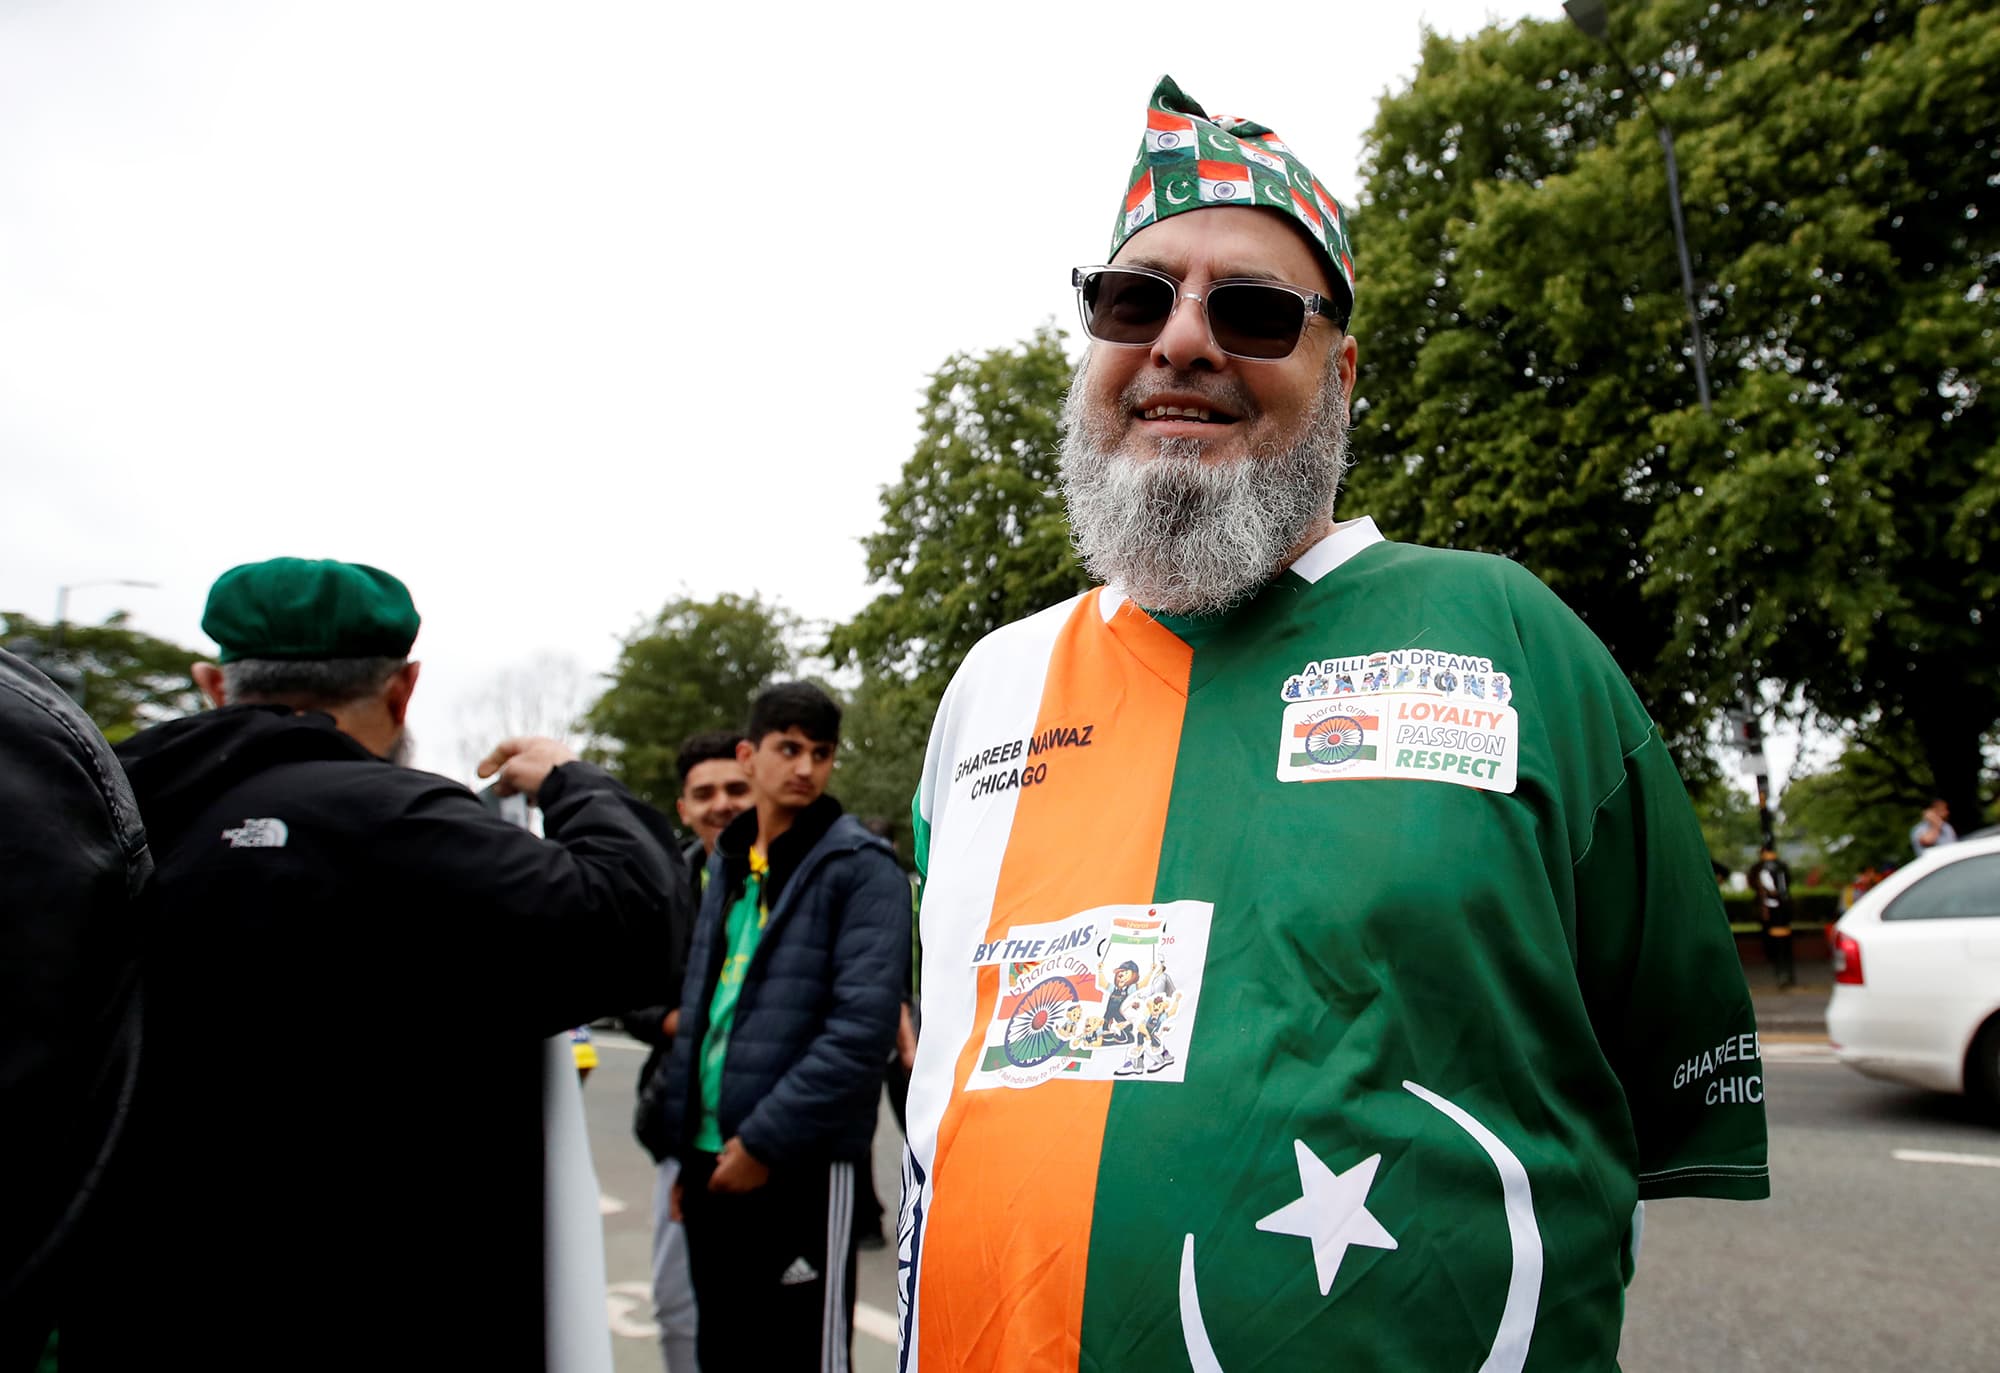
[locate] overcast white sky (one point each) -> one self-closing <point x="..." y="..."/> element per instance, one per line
<point x="558" y="311"/>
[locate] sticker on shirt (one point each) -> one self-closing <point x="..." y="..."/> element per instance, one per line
<point x="1105" y="995"/>
<point x="1420" y="671"/>
<point x="1421" y="738"/>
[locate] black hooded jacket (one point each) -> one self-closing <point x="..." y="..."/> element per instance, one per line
<point x="350" y="970"/>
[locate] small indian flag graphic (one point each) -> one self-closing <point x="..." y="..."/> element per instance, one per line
<point x="1170" y="134"/>
<point x="1262" y="158"/>
<point x="1328" y="206"/>
<point x="1307" y="213"/>
<point x="1334" y="739"/>
<point x="1139" y="203"/>
<point x="1225" y="183"/>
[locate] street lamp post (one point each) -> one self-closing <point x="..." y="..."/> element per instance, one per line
<point x="1590" y="16"/>
<point x="71" y="679"/>
<point x="62" y="605"/>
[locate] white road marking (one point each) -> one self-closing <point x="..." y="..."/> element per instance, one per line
<point x="608" y="1205"/>
<point x="1930" y="1156"/>
<point x="1800" y="1053"/>
<point x="626" y="1301"/>
<point x="622" y="1301"/>
<point x="874" y="1321"/>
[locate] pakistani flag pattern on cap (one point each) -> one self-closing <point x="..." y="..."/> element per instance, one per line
<point x="1190" y="161"/>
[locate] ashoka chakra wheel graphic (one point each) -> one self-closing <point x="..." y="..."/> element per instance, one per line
<point x="1334" y="739"/>
<point x="1030" y="1037"/>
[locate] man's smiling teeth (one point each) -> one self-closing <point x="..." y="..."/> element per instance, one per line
<point x="1165" y="412"/>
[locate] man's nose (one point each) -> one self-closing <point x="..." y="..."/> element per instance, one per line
<point x="1186" y="340"/>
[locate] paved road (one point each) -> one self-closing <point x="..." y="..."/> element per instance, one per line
<point x="1861" y="1263"/>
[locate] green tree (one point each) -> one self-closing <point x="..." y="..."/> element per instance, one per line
<point x="1728" y="822"/>
<point x="883" y="735"/>
<point x="129" y="679"/>
<point x="973" y="533"/>
<point x="1527" y="379"/>
<point x="1858" y="811"/>
<point x="694" y="666"/>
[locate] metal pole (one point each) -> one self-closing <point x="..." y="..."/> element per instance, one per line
<point x="1764" y="810"/>
<point x="62" y="613"/>
<point x="1591" y="17"/>
<point x="1687" y="266"/>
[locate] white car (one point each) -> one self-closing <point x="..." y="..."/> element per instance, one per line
<point x="1916" y="963"/>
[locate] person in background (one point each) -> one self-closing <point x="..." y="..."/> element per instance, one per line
<point x="310" y="894"/>
<point x="1771" y="882"/>
<point x="715" y="789"/>
<point x="801" y="950"/>
<point x="1933" y="829"/>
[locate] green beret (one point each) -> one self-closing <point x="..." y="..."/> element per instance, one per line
<point x="309" y="608"/>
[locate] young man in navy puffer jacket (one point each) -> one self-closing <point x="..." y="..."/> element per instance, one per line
<point x="795" y="980"/>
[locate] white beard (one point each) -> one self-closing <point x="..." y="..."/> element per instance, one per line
<point x="1190" y="537"/>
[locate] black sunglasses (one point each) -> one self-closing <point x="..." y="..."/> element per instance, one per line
<point x="1247" y="317"/>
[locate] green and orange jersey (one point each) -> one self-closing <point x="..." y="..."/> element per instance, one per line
<point x="1318" y="986"/>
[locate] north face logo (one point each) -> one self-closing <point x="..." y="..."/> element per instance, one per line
<point x="258" y="834"/>
<point x="799" y="1272"/>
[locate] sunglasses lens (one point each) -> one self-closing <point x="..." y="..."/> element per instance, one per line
<point x="1255" y="321"/>
<point x="1125" y="307"/>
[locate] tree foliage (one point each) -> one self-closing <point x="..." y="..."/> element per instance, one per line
<point x="1858" y="811"/>
<point x="694" y="666"/>
<point x="546" y="694"/>
<point x="1526" y="359"/>
<point x="882" y="740"/>
<point x="1729" y="823"/>
<point x="973" y="534"/>
<point x="129" y="679"/>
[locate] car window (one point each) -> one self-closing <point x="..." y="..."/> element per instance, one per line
<point x="1968" y="888"/>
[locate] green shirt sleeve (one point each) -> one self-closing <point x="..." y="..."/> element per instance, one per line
<point x="1666" y="991"/>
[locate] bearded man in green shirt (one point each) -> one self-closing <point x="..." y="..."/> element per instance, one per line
<point x="1436" y="984"/>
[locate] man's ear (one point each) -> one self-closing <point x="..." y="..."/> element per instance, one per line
<point x="396" y="695"/>
<point x="745" y="750"/>
<point x="208" y="679"/>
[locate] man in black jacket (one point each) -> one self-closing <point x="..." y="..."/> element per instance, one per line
<point x="801" y="951"/>
<point x="73" y="862"/>
<point x="308" y="1187"/>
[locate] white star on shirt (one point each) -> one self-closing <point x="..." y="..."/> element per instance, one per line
<point x="1333" y="1213"/>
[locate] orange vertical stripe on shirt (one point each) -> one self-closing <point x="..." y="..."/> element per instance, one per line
<point x="1001" y="1287"/>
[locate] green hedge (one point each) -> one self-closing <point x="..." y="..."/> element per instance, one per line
<point x="1815" y="907"/>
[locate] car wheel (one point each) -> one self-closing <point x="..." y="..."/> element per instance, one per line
<point x="1982" y="1068"/>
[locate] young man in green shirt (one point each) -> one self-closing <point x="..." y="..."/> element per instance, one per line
<point x="795" y="981"/>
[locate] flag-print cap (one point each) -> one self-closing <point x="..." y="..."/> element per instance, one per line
<point x="1190" y="161"/>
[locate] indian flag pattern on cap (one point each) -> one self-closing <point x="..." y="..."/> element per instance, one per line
<point x="1305" y="210"/>
<point x="1225" y="183"/>
<point x="1233" y="162"/>
<point x="1139" y="202"/>
<point x="1170" y="135"/>
<point x="1269" y="161"/>
<point x="1223" y="1072"/>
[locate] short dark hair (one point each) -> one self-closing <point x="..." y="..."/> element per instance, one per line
<point x="788" y="704"/>
<point x="705" y="747"/>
